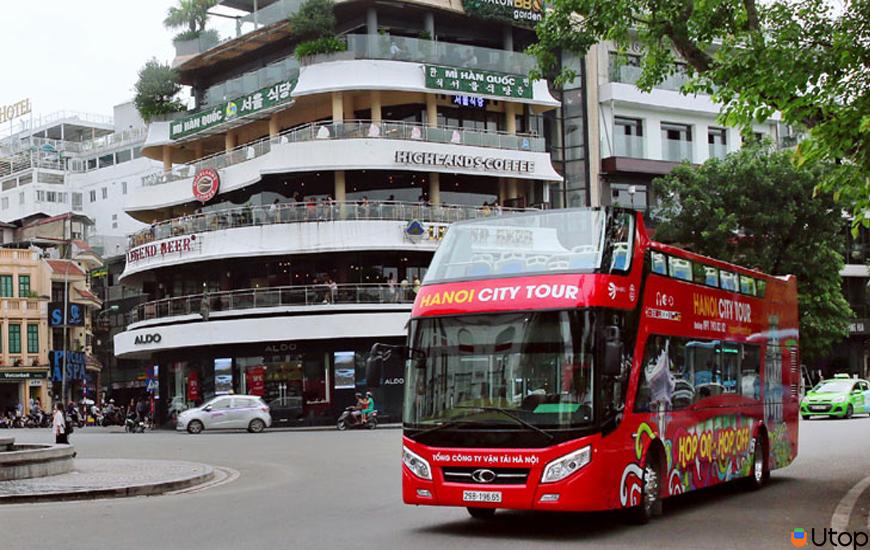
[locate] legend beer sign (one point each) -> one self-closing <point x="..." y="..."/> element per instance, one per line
<point x="177" y="246"/>
<point x="15" y="110"/>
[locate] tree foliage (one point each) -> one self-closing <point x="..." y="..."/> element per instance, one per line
<point x="191" y="15"/>
<point x="806" y="59"/>
<point x="315" y="19"/>
<point x="156" y="90"/>
<point x="755" y="208"/>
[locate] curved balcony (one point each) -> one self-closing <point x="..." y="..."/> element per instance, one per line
<point x="271" y="297"/>
<point x="313" y="212"/>
<point x="257" y="315"/>
<point x="295" y="228"/>
<point x="353" y="129"/>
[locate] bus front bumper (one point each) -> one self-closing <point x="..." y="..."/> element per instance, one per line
<point x="451" y="483"/>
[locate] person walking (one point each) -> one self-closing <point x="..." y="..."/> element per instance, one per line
<point x="58" y="426"/>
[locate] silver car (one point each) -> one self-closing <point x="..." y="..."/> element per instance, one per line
<point x="227" y="412"/>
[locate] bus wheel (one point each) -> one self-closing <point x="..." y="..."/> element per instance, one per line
<point x="651" y="500"/>
<point x="760" y="472"/>
<point x="481" y="513"/>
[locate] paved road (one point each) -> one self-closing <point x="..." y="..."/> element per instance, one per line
<point x="342" y="490"/>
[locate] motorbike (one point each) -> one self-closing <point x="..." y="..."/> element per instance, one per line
<point x="37" y="420"/>
<point x="134" y="425"/>
<point x="111" y="419"/>
<point x="348" y="420"/>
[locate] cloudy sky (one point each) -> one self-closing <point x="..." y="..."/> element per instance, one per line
<point x="79" y="55"/>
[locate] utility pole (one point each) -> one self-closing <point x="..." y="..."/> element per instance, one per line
<point x="66" y="253"/>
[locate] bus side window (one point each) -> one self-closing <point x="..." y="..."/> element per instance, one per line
<point x="729" y="359"/>
<point x="729" y="280"/>
<point x="747" y="285"/>
<point x="658" y="263"/>
<point x="680" y="268"/>
<point x="760" y="287"/>
<point x="665" y="381"/>
<point x="750" y="367"/>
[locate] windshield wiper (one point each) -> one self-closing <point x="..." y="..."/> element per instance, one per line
<point x="449" y="424"/>
<point x="510" y="415"/>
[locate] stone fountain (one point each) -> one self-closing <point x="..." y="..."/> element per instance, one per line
<point x="28" y="461"/>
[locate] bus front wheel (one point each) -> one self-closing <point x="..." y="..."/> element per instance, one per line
<point x="651" y="496"/>
<point x="760" y="470"/>
<point x="481" y="513"/>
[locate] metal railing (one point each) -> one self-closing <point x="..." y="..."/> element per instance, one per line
<point x="312" y="211"/>
<point x="352" y="129"/>
<point x="251" y="298"/>
<point x="629" y="74"/>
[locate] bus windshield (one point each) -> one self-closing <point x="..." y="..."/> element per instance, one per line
<point x="555" y="241"/>
<point x="502" y="369"/>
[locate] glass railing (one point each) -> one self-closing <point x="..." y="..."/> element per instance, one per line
<point x="313" y="211"/>
<point x="628" y="146"/>
<point x="273" y="73"/>
<point x="718" y="150"/>
<point x="630" y="74"/>
<point x="676" y="151"/>
<point x="320" y="295"/>
<point x="353" y="129"/>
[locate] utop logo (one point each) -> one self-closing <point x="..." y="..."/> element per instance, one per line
<point x="206" y="183"/>
<point x="799" y="538"/>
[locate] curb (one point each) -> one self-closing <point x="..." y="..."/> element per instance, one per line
<point x="148" y="489"/>
<point x="331" y="428"/>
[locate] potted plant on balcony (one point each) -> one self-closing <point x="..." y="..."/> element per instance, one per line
<point x="156" y="91"/>
<point x="313" y="30"/>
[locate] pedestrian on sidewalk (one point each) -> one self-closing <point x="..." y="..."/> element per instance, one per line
<point x="58" y="426"/>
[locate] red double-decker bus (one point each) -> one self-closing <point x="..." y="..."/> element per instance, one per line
<point x="563" y="361"/>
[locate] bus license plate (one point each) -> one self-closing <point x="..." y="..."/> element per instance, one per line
<point x="481" y="496"/>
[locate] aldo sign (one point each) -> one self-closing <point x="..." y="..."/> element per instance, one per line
<point x="153" y="338"/>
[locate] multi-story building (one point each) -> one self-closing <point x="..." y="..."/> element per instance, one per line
<point x="302" y="200"/>
<point x="25" y="291"/>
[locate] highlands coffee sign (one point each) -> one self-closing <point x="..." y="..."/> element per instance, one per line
<point x="239" y="107"/>
<point x="178" y="246"/>
<point x="474" y="81"/>
<point x="484" y="164"/>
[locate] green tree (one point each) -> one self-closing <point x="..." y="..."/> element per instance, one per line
<point x="156" y="90"/>
<point x="191" y="15"/>
<point x="806" y="59"/>
<point x="315" y="19"/>
<point x="755" y="208"/>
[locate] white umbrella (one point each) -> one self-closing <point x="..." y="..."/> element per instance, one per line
<point x="87" y="401"/>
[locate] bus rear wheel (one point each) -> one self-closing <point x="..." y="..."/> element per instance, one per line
<point x="760" y="470"/>
<point x="481" y="513"/>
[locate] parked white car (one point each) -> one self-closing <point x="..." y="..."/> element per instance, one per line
<point x="227" y="412"/>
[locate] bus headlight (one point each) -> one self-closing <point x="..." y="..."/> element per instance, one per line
<point x="417" y="464"/>
<point x="563" y="467"/>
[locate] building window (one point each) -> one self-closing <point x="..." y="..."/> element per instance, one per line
<point x="6" y="286"/>
<point x="5" y="203"/>
<point x="51" y="196"/>
<point x="676" y="142"/>
<point x="23" y="286"/>
<point x="76" y="201"/>
<point x="114" y="221"/>
<point x="93" y="195"/>
<point x="105" y="192"/>
<point x="628" y="137"/>
<point x="21" y="198"/>
<point x="14" y="338"/>
<point x="717" y="140"/>
<point x="40" y="196"/>
<point x="32" y="338"/>
<point x="123" y="187"/>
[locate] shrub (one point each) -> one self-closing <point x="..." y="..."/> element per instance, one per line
<point x="326" y="44"/>
<point x="156" y="90"/>
<point x="315" y="19"/>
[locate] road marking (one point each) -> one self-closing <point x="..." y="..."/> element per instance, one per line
<point x="223" y="476"/>
<point x="840" y="519"/>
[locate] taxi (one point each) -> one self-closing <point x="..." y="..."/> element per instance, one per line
<point x="840" y="396"/>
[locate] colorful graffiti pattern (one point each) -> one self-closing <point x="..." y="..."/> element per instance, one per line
<point x="710" y="452"/>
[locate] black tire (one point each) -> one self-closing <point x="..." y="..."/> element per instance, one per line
<point x="481" y="513"/>
<point x="805" y="417"/>
<point x="195" y="427"/>
<point x="759" y="472"/>
<point x="651" y="494"/>
<point x="341" y="425"/>
<point x="372" y="423"/>
<point x="256" y="426"/>
<point x="849" y="412"/>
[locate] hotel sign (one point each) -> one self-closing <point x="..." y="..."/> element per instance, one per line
<point x="14" y="110"/>
<point x="474" y="81"/>
<point x="522" y="12"/>
<point x="240" y="107"/>
<point x="419" y="158"/>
